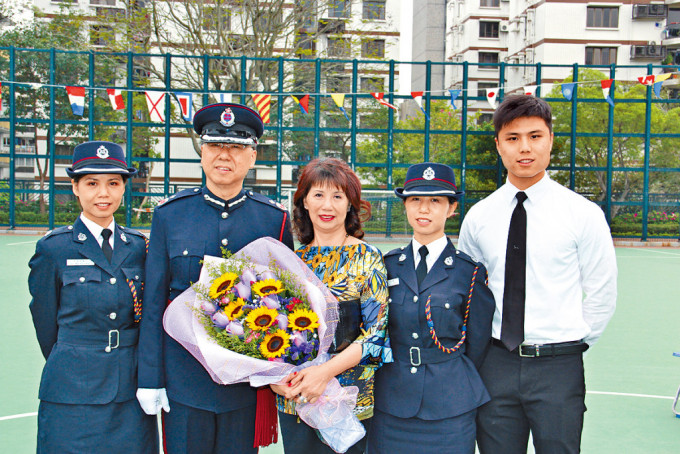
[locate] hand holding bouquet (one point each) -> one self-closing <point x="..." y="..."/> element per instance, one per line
<point x="258" y="316"/>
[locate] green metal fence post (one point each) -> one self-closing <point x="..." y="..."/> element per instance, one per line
<point x="353" y="121"/>
<point x="390" y="146"/>
<point x="279" y="133"/>
<point x="166" y="161"/>
<point x="610" y="147"/>
<point x="90" y="96"/>
<point x="317" y="105"/>
<point x="12" y="136"/>
<point x="52" y="133"/>
<point x="574" y="129"/>
<point x="463" y="139"/>
<point x="428" y="75"/>
<point x="129" y="135"/>
<point x="645" y="181"/>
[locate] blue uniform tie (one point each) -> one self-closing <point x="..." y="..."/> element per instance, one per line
<point x="421" y="269"/>
<point x="106" y="246"/>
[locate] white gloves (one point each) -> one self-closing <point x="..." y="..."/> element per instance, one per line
<point x="152" y="400"/>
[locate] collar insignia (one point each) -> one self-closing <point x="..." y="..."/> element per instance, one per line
<point x="402" y="257"/>
<point x="448" y="261"/>
<point x="123" y="237"/>
<point x="82" y="237"/>
<point x="227" y="118"/>
<point x="102" y="152"/>
<point x="428" y="174"/>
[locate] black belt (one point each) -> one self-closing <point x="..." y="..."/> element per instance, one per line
<point x="114" y="338"/>
<point x="416" y="356"/>
<point x="535" y="351"/>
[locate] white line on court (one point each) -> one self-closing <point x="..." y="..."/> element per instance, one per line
<point x="20" y="415"/>
<point x="22" y="242"/>
<point x="647" y="396"/>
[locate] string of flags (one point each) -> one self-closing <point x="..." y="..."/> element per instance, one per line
<point x="156" y="99"/>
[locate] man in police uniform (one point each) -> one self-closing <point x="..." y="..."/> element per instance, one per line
<point x="200" y="415"/>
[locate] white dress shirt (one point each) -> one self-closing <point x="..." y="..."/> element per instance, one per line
<point x="570" y="267"/>
<point x="434" y="250"/>
<point x="96" y="230"/>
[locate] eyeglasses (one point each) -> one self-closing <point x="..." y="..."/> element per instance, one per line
<point x="220" y="146"/>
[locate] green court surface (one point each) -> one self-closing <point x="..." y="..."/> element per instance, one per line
<point x="631" y="373"/>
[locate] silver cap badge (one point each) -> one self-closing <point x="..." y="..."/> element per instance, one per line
<point x="102" y="152"/>
<point x="428" y="174"/>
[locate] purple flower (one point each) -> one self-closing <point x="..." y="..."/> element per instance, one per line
<point x="208" y="307"/>
<point x="248" y="277"/>
<point x="242" y="290"/>
<point x="268" y="275"/>
<point x="271" y="301"/>
<point x="235" y="328"/>
<point x="298" y="338"/>
<point x="283" y="321"/>
<point x="220" y="319"/>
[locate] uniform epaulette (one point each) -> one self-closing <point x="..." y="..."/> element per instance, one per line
<point x="179" y="195"/>
<point x="265" y="200"/>
<point x="467" y="258"/>
<point x="130" y="231"/>
<point x="399" y="250"/>
<point x="58" y="231"/>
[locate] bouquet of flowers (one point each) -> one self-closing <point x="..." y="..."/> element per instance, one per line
<point x="259" y="315"/>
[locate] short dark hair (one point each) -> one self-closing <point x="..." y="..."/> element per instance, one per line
<point x="518" y="106"/>
<point x="335" y="173"/>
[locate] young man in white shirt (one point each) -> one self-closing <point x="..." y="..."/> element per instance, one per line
<point x="554" y="298"/>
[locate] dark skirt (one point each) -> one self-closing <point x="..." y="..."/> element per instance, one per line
<point x="391" y="435"/>
<point x="117" y="427"/>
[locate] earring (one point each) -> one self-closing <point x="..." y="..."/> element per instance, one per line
<point x="349" y="208"/>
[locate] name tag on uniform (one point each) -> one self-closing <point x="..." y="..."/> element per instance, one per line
<point x="393" y="282"/>
<point x="79" y="262"/>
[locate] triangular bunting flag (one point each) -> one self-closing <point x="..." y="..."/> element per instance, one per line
<point x="658" y="82"/>
<point x="546" y="89"/>
<point x="662" y="77"/>
<point x="606" y="86"/>
<point x="339" y="100"/>
<point x="76" y="96"/>
<point x="646" y="80"/>
<point x="418" y="98"/>
<point x="303" y="103"/>
<point x="116" y="98"/>
<point x="568" y="91"/>
<point x="263" y="104"/>
<point x="380" y="98"/>
<point x="491" y="94"/>
<point x="185" y="101"/>
<point x="224" y="97"/>
<point x="454" y="94"/>
<point x="155" y="101"/>
<point x="530" y="90"/>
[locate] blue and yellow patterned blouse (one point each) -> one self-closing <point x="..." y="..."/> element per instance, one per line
<point x="355" y="272"/>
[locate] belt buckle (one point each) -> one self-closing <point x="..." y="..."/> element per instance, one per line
<point x="117" y="339"/>
<point x="536" y="353"/>
<point x="416" y="362"/>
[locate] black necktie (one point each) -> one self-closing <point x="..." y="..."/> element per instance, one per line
<point x="106" y="246"/>
<point x="512" y="325"/>
<point x="421" y="269"/>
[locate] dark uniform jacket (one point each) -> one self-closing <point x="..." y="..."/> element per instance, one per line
<point x="423" y="381"/>
<point x="189" y="225"/>
<point x="81" y="305"/>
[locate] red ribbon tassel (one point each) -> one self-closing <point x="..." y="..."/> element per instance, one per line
<point x="265" y="418"/>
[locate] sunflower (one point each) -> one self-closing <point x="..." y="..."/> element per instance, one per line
<point x="267" y="287"/>
<point x="222" y="285"/>
<point x="262" y="318"/>
<point x="234" y="309"/>
<point x="303" y="320"/>
<point x="275" y="344"/>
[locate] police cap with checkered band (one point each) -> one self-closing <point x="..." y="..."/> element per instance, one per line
<point x="228" y="123"/>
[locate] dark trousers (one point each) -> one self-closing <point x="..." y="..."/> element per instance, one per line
<point x="188" y="430"/>
<point x="299" y="438"/>
<point x="543" y="395"/>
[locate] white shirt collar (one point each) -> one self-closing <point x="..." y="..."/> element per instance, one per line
<point x="434" y="250"/>
<point x="96" y="229"/>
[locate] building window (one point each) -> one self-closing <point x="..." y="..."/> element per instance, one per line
<point x="372" y="84"/>
<point x="267" y="22"/>
<point x="339" y="8"/>
<point x="306" y="11"/>
<point x="339" y="84"/>
<point x="490" y="3"/>
<point x="485" y="118"/>
<point x="488" y="29"/>
<point x="100" y="2"/>
<point x="101" y="35"/>
<point x="488" y="57"/>
<point x="600" y="55"/>
<point x="603" y="17"/>
<point x="216" y="19"/>
<point x="482" y="86"/>
<point x="374" y="10"/>
<point x="339" y="47"/>
<point x="373" y="48"/>
<point x="305" y="45"/>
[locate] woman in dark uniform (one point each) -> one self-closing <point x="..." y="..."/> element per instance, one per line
<point x="87" y="282"/>
<point x="439" y="326"/>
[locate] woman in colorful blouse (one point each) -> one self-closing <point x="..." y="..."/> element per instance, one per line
<point x="327" y="222"/>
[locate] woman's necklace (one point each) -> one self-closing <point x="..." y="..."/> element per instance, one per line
<point x="343" y="241"/>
